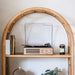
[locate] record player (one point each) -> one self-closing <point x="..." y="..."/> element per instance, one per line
<point x="38" y="49"/>
<point x="38" y="38"/>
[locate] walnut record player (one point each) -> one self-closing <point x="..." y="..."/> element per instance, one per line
<point x="38" y="50"/>
<point x="32" y="41"/>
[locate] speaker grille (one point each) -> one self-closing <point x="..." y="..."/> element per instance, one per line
<point x="32" y="51"/>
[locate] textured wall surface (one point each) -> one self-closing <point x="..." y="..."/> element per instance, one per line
<point x="8" y="8"/>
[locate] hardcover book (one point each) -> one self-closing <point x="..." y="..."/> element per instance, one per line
<point x="12" y="44"/>
<point x="7" y="47"/>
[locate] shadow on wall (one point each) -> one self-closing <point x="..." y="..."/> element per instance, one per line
<point x="22" y="72"/>
<point x="29" y="73"/>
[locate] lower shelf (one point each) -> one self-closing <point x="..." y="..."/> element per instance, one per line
<point x="48" y="56"/>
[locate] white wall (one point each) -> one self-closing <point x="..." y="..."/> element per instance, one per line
<point x="9" y="8"/>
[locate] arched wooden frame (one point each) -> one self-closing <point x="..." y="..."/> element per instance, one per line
<point x="66" y="26"/>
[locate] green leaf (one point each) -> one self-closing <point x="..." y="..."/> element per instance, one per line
<point x="59" y="70"/>
<point x="52" y="72"/>
<point x="47" y="70"/>
<point x="56" y="70"/>
<point x="42" y="74"/>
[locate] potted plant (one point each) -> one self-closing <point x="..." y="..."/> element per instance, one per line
<point x="52" y="72"/>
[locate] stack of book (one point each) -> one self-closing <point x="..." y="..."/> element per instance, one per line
<point x="10" y="45"/>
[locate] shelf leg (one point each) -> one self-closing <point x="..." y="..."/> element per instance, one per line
<point x="69" y="66"/>
<point x="72" y="65"/>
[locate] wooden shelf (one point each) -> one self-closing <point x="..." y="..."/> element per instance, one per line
<point x="11" y="23"/>
<point x="47" y="56"/>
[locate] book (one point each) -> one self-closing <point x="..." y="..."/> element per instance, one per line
<point x="7" y="47"/>
<point x="12" y="44"/>
<point x="13" y="51"/>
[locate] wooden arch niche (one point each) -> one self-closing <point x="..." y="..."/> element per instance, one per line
<point x="25" y="12"/>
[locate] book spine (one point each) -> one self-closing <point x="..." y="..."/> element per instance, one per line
<point x="11" y="44"/>
<point x="8" y="47"/>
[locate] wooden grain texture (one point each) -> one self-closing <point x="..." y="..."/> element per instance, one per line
<point x="18" y="16"/>
<point x="43" y="56"/>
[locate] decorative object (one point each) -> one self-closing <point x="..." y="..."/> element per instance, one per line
<point x="19" y="71"/>
<point x="52" y="72"/>
<point x="62" y="49"/>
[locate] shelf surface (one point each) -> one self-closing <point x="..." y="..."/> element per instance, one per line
<point x="50" y="56"/>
